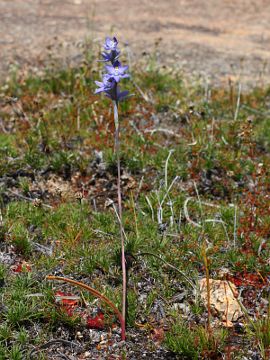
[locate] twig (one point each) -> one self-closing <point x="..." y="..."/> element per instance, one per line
<point x="143" y="95"/>
<point x="47" y="250"/>
<point x="210" y="205"/>
<point x="97" y="231"/>
<point x="163" y="130"/>
<point x="53" y="342"/>
<point x="27" y="198"/>
<point x="63" y="356"/>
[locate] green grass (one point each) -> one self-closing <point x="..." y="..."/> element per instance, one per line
<point x="195" y="343"/>
<point x="50" y="156"/>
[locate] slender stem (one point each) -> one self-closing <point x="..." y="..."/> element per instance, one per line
<point x="206" y="265"/>
<point x="95" y="293"/>
<point x="123" y="259"/>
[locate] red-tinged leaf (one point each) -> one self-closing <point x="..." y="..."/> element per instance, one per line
<point x="69" y="310"/>
<point x="96" y="322"/>
<point x="66" y="299"/>
<point x="68" y="302"/>
<point x="247" y="279"/>
<point x="236" y="281"/>
<point x="22" y="267"/>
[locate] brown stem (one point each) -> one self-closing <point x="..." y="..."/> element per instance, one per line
<point x="97" y="294"/>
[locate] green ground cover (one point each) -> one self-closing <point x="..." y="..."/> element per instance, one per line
<point x="195" y="178"/>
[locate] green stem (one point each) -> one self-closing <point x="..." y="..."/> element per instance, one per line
<point x="123" y="258"/>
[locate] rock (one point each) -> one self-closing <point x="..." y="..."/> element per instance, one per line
<point x="223" y="299"/>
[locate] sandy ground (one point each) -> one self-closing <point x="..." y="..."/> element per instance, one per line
<point x="214" y="38"/>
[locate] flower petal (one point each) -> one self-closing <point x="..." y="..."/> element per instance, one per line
<point x="123" y="68"/>
<point x="97" y="91"/>
<point x="122" y="95"/>
<point x="109" y="68"/>
<point x="98" y="83"/>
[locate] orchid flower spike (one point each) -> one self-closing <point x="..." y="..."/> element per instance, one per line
<point x="114" y="72"/>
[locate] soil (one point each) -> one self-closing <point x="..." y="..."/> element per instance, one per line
<point x="217" y="39"/>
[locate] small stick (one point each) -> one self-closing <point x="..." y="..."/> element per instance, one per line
<point x="27" y="198"/>
<point x="143" y="95"/>
<point x="163" y="130"/>
<point x="53" y="342"/>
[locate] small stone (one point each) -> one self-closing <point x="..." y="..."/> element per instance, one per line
<point x="79" y="335"/>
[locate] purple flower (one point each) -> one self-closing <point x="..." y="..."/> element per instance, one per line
<point x="117" y="71"/>
<point x="121" y="95"/>
<point x="106" y="84"/>
<point x="114" y="73"/>
<point x="110" y="44"/>
<point x="112" y="56"/>
<point x="110" y="88"/>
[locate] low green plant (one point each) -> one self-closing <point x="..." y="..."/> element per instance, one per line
<point x="179" y="130"/>
<point x="3" y="274"/>
<point x="16" y="353"/>
<point x="195" y="343"/>
<point x="22" y="336"/>
<point x="19" y="313"/>
<point x="6" y="333"/>
<point x="261" y="331"/>
<point x="20" y="239"/>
